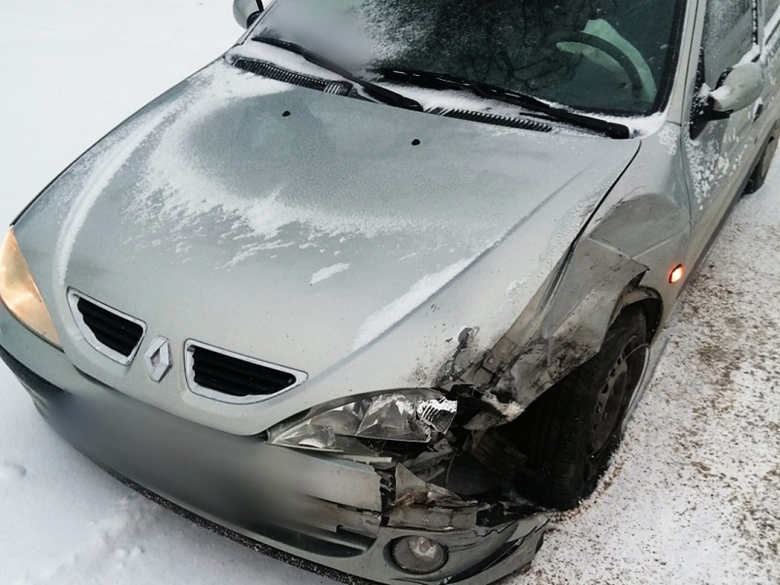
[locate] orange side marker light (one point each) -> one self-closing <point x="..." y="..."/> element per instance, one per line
<point x="677" y="274"/>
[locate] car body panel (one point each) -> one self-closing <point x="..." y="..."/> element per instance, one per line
<point x="719" y="160"/>
<point x="326" y="255"/>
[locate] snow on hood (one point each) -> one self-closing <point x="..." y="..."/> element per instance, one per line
<point x="300" y="227"/>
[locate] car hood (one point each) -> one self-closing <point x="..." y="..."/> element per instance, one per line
<point x="302" y="228"/>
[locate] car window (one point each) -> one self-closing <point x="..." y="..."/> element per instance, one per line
<point x="770" y="12"/>
<point x="729" y="34"/>
<point x="597" y="55"/>
<point x="771" y="8"/>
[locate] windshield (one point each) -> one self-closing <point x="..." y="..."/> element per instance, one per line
<point x="613" y="56"/>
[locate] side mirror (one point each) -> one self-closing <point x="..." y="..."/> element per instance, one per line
<point x="246" y="11"/>
<point x="738" y="89"/>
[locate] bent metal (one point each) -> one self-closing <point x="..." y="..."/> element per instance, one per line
<point x="411" y="297"/>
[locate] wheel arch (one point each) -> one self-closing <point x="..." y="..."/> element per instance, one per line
<point x="563" y="327"/>
<point x="649" y="301"/>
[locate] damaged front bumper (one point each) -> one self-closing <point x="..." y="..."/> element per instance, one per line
<point x="341" y="518"/>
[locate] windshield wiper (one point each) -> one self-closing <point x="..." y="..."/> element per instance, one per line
<point x="377" y="92"/>
<point x="485" y="90"/>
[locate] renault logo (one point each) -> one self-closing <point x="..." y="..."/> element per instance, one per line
<point x="158" y="359"/>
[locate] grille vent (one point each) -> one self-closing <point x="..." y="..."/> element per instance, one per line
<point x="278" y="74"/>
<point x="110" y="332"/>
<point x="520" y="123"/>
<point x="229" y="377"/>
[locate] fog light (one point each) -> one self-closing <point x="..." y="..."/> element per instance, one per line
<point x="419" y="555"/>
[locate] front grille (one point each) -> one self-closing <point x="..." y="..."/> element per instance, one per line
<point x="223" y="375"/>
<point x="112" y="333"/>
<point x="278" y="74"/>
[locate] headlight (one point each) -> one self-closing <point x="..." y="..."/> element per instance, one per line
<point x="413" y="416"/>
<point x="20" y="294"/>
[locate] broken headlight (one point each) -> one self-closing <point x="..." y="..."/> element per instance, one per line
<point x="413" y="416"/>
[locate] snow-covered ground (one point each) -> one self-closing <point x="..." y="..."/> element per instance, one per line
<point x="693" y="497"/>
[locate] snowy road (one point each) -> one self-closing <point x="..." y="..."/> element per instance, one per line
<point x="693" y="497"/>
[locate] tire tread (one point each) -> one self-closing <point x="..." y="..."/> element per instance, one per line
<point x="553" y="432"/>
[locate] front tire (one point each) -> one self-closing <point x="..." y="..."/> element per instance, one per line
<point x="571" y="432"/>
<point x="758" y="178"/>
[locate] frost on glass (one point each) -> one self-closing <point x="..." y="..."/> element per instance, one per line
<point x="531" y="46"/>
<point x="729" y="34"/>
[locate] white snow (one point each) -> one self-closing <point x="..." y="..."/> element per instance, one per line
<point x="456" y="100"/>
<point x="721" y="93"/>
<point x="669" y="137"/>
<point x="11" y="471"/>
<point x="193" y="195"/>
<point x="692" y="498"/>
<point x="328" y="272"/>
<point x="109" y="165"/>
<point x="751" y="55"/>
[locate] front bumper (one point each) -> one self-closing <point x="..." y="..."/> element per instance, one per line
<point x="319" y="513"/>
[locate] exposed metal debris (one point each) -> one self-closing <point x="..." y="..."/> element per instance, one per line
<point x="562" y="327"/>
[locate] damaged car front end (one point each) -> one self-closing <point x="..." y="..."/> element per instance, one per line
<point x="410" y="485"/>
<point x="380" y="319"/>
<point x="355" y="508"/>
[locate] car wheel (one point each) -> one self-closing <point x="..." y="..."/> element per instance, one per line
<point x="571" y="432"/>
<point x="758" y="178"/>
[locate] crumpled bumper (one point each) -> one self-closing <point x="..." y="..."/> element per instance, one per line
<point x="320" y="513"/>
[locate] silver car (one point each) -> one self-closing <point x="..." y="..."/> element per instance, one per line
<point x="381" y="286"/>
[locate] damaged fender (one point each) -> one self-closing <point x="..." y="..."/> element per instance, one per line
<point x="562" y="327"/>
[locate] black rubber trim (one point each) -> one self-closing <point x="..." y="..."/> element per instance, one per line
<point x="40" y="386"/>
<point x="271" y="71"/>
<point x="495" y="120"/>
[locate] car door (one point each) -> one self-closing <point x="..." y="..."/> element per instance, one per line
<point x="718" y="153"/>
